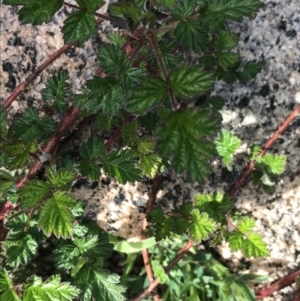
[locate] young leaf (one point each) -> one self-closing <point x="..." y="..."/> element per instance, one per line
<point x="235" y="240"/>
<point x="159" y="271"/>
<point x="79" y="26"/>
<point x="113" y="60"/>
<point x="92" y="149"/>
<point x="255" y="152"/>
<point x="184" y="136"/>
<point x="6" y="288"/>
<point x="60" y="178"/>
<point x="145" y="146"/>
<point x="274" y="163"/>
<point x="190" y="82"/>
<point x="149" y="164"/>
<point x="36" y="11"/>
<point x="99" y="284"/>
<point x="191" y="35"/>
<point x="119" y="165"/>
<point x="30" y="126"/>
<point x="227" y="144"/>
<point x="57" y="91"/>
<point x="246" y="225"/>
<point x="201" y="226"/>
<point x="52" y="289"/>
<point x="56" y="217"/>
<point x="255" y="246"/>
<point x="33" y="192"/>
<point x="148" y="94"/>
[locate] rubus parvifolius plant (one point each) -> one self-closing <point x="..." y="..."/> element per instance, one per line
<point x="165" y="55"/>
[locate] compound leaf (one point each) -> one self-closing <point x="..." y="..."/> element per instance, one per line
<point x="201" y="226"/>
<point x="56" y="216"/>
<point x="60" y="178"/>
<point x="190" y="82"/>
<point x="254" y="246"/>
<point x="33" y="192"/>
<point x="148" y="94"/>
<point x="96" y="282"/>
<point x="246" y="225"/>
<point x="274" y="163"/>
<point x="113" y="60"/>
<point x="51" y="289"/>
<point x="79" y="26"/>
<point x="184" y="138"/>
<point x="191" y="35"/>
<point x="235" y="241"/>
<point x="119" y="165"/>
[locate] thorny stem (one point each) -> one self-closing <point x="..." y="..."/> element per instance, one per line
<point x="154" y="45"/>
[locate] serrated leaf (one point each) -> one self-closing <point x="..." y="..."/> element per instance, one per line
<point x="148" y="94"/>
<point x="92" y="149"/>
<point x="3" y="121"/>
<point x="246" y="225"/>
<point x="56" y="217"/>
<point x="129" y="133"/>
<point x="227" y="144"/>
<point x="38" y="11"/>
<point x="60" y="178"/>
<point x="145" y="146"/>
<point x="50" y="290"/>
<point x="7" y="292"/>
<point x="57" y="91"/>
<point x="190" y="82"/>
<point x="30" y="126"/>
<point x="226" y="40"/>
<point x="21" y="251"/>
<point x="201" y="226"/>
<point x="235" y="241"/>
<point x="126" y="247"/>
<point x="274" y="163"/>
<point x="159" y="271"/>
<point x="79" y="26"/>
<point x="117" y="39"/>
<point x="99" y="284"/>
<point x="33" y="192"/>
<point x="250" y="70"/>
<point x="184" y="137"/>
<point x="184" y="9"/>
<point x="191" y="35"/>
<point x="255" y="152"/>
<point x="90" y="169"/>
<point x="66" y="256"/>
<point x="255" y="246"/>
<point x="119" y="165"/>
<point x="227" y="59"/>
<point x="113" y="60"/>
<point x="149" y="164"/>
<point x="90" y="5"/>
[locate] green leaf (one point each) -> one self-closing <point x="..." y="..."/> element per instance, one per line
<point x="56" y="217"/>
<point x="21" y="251"/>
<point x="227" y="59"/>
<point x="66" y="256"/>
<point x="79" y="26"/>
<point x="117" y="39"/>
<point x="184" y="9"/>
<point x="7" y="292"/>
<point x="90" y="169"/>
<point x="255" y="246"/>
<point x="129" y="133"/>
<point x="60" y="178"/>
<point x="227" y="144"/>
<point x="226" y="40"/>
<point x="33" y="192"/>
<point x="90" y="5"/>
<point x="50" y="290"/>
<point x="145" y="146"/>
<point x="190" y="82"/>
<point x="38" y="11"/>
<point x="92" y="149"/>
<point x="149" y="164"/>
<point x="255" y="152"/>
<point x="159" y="271"/>
<point x="30" y="126"/>
<point x="99" y="284"/>
<point x="184" y="137"/>
<point x="201" y="226"/>
<point x="113" y="60"/>
<point x="191" y="35"/>
<point x="236" y="241"/>
<point x="149" y="93"/>
<point x="250" y="70"/>
<point x="246" y="225"/>
<point x="57" y="91"/>
<point x="274" y="163"/>
<point x="3" y="121"/>
<point x="119" y="165"/>
<point x="134" y="247"/>
<point x="216" y="205"/>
